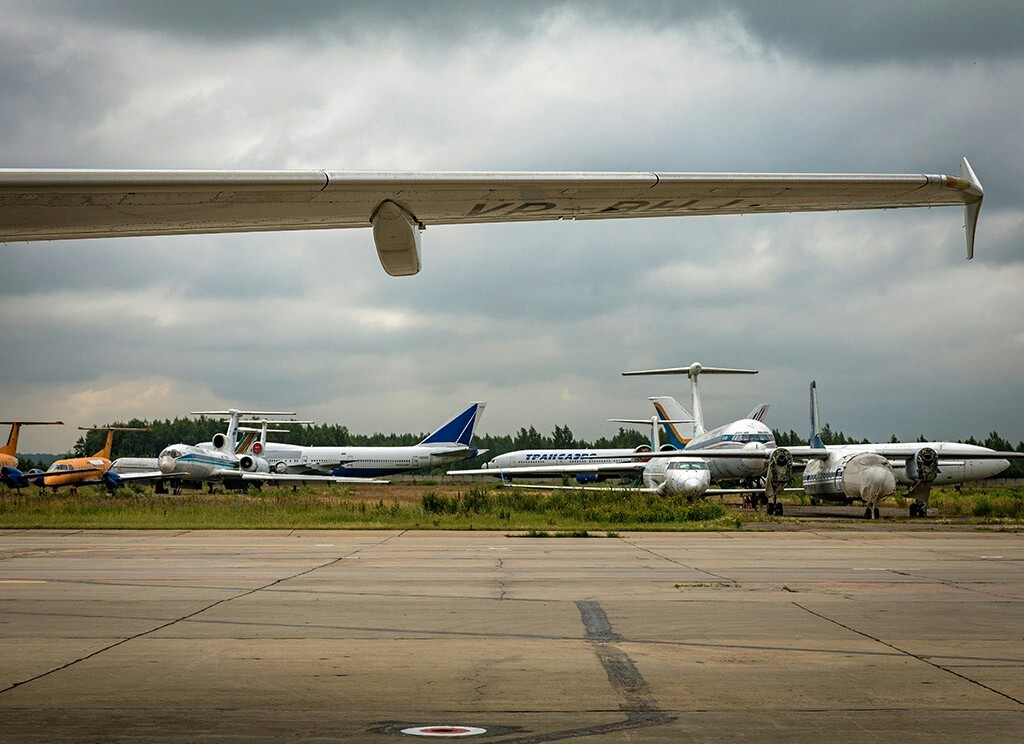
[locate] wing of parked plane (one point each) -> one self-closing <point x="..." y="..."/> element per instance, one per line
<point x="42" y="204"/>
<point x="577" y="468"/>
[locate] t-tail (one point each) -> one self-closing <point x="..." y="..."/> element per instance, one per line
<point x="815" y="438"/>
<point x="669" y="410"/>
<point x="108" y="445"/>
<point x="458" y="429"/>
<point x="11" y="448"/>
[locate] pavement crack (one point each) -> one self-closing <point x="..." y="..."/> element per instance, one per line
<point x="910" y="654"/>
<point x="678" y="563"/>
<point x="190" y="615"/>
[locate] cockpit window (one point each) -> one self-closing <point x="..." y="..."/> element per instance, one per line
<point x="687" y="466"/>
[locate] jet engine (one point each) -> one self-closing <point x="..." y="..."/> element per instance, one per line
<point x="219" y="441"/>
<point x="667" y="448"/>
<point x="252" y="464"/>
<point x="281" y="467"/>
<point x="640" y="450"/>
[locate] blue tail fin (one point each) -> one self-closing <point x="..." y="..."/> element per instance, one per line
<point x="815" y="439"/>
<point x="669" y="410"/>
<point x="459" y="429"/>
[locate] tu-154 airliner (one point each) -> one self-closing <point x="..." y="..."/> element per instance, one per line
<point x="47" y="204"/>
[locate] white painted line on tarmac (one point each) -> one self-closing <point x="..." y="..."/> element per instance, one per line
<point x="444" y="732"/>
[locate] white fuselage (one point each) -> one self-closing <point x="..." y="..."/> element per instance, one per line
<point x="678" y="476"/>
<point x="359" y="462"/>
<point x="831" y="478"/>
<point x="543" y="457"/>
<point x="198" y="463"/>
<point x="742" y="434"/>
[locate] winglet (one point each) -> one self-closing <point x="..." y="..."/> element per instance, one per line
<point x="971" y="209"/>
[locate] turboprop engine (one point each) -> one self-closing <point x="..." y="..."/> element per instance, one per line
<point x="922" y="470"/>
<point x="778" y="472"/>
<point x="253" y="464"/>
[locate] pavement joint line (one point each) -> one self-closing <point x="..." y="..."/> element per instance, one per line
<point x="912" y="655"/>
<point x="954" y="584"/>
<point x="678" y="563"/>
<point x="190" y="615"/>
<point x="418" y="635"/>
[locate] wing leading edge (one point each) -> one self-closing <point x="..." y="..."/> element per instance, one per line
<point x="68" y="204"/>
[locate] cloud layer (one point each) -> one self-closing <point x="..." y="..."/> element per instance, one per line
<point x="901" y="333"/>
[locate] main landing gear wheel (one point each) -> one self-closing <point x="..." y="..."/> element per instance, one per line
<point x="775" y="509"/>
<point x="867" y="513"/>
<point x="918" y="510"/>
<point x="877" y="513"/>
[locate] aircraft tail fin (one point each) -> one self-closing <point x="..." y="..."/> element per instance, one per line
<point x="11" y="448"/>
<point x="815" y="438"/>
<point x="105" y="452"/>
<point x="459" y="428"/>
<point x="759" y="412"/>
<point x="669" y="409"/>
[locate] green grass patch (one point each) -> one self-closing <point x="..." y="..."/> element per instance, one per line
<point x="574" y="513"/>
<point x="1000" y="503"/>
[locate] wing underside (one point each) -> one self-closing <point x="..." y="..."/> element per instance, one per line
<point x="66" y="204"/>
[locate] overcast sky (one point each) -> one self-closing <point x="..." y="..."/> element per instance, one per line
<point x="902" y="334"/>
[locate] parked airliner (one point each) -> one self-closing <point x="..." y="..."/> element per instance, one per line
<point x="451" y="442"/>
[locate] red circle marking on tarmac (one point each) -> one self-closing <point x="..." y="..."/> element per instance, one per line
<point x="444" y="731"/>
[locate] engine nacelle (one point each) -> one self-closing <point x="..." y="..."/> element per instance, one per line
<point x="923" y="466"/>
<point x="778" y="471"/>
<point x="922" y="470"/>
<point x="219" y="441"/>
<point x="12" y="477"/>
<point x="667" y="448"/>
<point x="252" y="464"/>
<point x="281" y="467"/>
<point x="640" y="450"/>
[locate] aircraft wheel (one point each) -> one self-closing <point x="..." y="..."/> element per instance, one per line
<point x="877" y="513"/>
<point x="867" y="513"/>
<point x="778" y="510"/>
<point x="922" y="510"/>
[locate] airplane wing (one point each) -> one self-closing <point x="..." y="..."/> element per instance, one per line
<point x="43" y="204"/>
<point x="577" y="468"/>
<point x="284" y="478"/>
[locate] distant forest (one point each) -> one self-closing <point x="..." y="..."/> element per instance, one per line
<point x="202" y="429"/>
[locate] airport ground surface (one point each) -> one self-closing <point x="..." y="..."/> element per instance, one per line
<point x="853" y="634"/>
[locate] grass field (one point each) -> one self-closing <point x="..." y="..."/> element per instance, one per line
<point x="373" y="507"/>
<point x="429" y="506"/>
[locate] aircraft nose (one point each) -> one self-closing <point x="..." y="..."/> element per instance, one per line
<point x="166" y="464"/>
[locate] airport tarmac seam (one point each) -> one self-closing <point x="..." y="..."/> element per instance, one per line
<point x="190" y="615"/>
<point x="911" y="655"/>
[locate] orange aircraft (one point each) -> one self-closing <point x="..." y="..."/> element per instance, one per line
<point x="83" y="471"/>
<point x="8" y="453"/>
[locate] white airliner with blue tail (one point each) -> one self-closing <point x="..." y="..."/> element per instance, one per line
<point x="451" y="442"/>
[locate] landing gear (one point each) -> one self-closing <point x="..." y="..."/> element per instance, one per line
<point x="878" y="513"/>
<point x="917" y="509"/>
<point x="867" y="513"/>
<point x="774" y="509"/>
